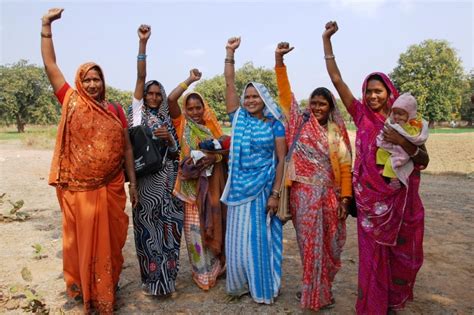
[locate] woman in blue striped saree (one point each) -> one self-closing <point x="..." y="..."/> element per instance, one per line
<point x="254" y="233"/>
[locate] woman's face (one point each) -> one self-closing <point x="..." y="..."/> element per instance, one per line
<point x="376" y="95"/>
<point x="195" y="110"/>
<point x="253" y="103"/>
<point x="321" y="108"/>
<point x="93" y="84"/>
<point x="153" y="97"/>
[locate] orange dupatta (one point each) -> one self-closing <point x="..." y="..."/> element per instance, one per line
<point x="90" y="144"/>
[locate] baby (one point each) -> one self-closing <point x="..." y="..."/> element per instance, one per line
<point x="397" y="164"/>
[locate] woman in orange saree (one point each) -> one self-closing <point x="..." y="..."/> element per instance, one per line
<point x="91" y="147"/>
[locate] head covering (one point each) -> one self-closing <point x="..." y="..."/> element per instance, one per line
<point x="271" y="108"/>
<point x="408" y="103"/>
<point x="81" y="73"/>
<point x="387" y="82"/>
<point x="190" y="134"/>
<point x="90" y="143"/>
<point x="252" y="153"/>
<point x="315" y="143"/>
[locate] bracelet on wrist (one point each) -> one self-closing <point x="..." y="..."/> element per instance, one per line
<point x="327" y="57"/>
<point x="183" y="85"/>
<point x="46" y="35"/>
<point x="416" y="152"/>
<point x="229" y="60"/>
<point x="141" y="57"/>
<point x="218" y="158"/>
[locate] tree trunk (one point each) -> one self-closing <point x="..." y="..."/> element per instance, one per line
<point x="20" y="124"/>
<point x="431" y="124"/>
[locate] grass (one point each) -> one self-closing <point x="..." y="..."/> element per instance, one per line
<point x="40" y="137"/>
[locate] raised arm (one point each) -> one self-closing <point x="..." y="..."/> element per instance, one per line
<point x="231" y="98"/>
<point x="344" y="92"/>
<point x="144" y="33"/>
<point x="284" y="88"/>
<point x="175" y="111"/>
<point x="55" y="76"/>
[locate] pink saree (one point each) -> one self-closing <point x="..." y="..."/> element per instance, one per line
<point x="390" y="221"/>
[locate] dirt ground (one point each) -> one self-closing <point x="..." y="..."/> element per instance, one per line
<point x="444" y="284"/>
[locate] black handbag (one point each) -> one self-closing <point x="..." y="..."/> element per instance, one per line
<point x="146" y="151"/>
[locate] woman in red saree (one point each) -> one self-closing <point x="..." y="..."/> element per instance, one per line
<point x="91" y="147"/>
<point x="320" y="174"/>
<point x="390" y="220"/>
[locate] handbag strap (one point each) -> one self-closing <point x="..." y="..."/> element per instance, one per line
<point x="306" y="116"/>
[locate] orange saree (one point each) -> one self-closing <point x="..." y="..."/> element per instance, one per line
<point x="86" y="171"/>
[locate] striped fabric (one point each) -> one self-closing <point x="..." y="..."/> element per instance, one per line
<point x="253" y="239"/>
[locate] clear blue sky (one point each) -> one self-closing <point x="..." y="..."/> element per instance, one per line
<point x="188" y="34"/>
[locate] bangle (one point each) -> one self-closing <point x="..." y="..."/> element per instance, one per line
<point x="183" y="85"/>
<point x="132" y="185"/>
<point x="218" y="158"/>
<point x="275" y="193"/>
<point x="141" y="57"/>
<point x="229" y="60"/>
<point x="416" y="152"/>
<point x="46" y="35"/>
<point x="329" y="57"/>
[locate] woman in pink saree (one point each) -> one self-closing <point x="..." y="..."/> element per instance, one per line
<point x="390" y="221"/>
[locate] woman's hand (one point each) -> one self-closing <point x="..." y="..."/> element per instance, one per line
<point x="330" y="29"/>
<point x="272" y="204"/>
<point x="283" y="48"/>
<point x="162" y="133"/>
<point x="392" y="136"/>
<point x="132" y="191"/>
<point x="233" y="43"/>
<point x="343" y="209"/>
<point x="144" y="32"/>
<point x="206" y="162"/>
<point x="51" y="15"/>
<point x="194" y="75"/>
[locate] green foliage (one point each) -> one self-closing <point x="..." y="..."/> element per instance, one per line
<point x="124" y="98"/>
<point x="38" y="251"/>
<point x="433" y="73"/>
<point x="467" y="107"/>
<point x="26" y="96"/>
<point x="213" y="90"/>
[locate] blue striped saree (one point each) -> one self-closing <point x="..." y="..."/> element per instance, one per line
<point x="253" y="238"/>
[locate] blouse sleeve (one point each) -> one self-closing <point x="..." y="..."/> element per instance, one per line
<point x="345" y="169"/>
<point x="356" y="111"/>
<point x="61" y="93"/>
<point x="284" y="90"/>
<point x="278" y="129"/>
<point x="136" y="112"/>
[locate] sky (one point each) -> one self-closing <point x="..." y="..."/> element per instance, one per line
<point x="192" y="34"/>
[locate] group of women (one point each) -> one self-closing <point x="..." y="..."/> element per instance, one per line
<point x="226" y="199"/>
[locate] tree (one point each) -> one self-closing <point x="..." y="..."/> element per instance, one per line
<point x="26" y="96"/>
<point x="433" y="73"/>
<point x="467" y="108"/>
<point x="213" y="90"/>
<point x="124" y="98"/>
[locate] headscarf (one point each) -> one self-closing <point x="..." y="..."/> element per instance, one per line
<point x="190" y="134"/>
<point x="315" y="143"/>
<point x="252" y="153"/>
<point x="90" y="143"/>
<point x="154" y="117"/>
